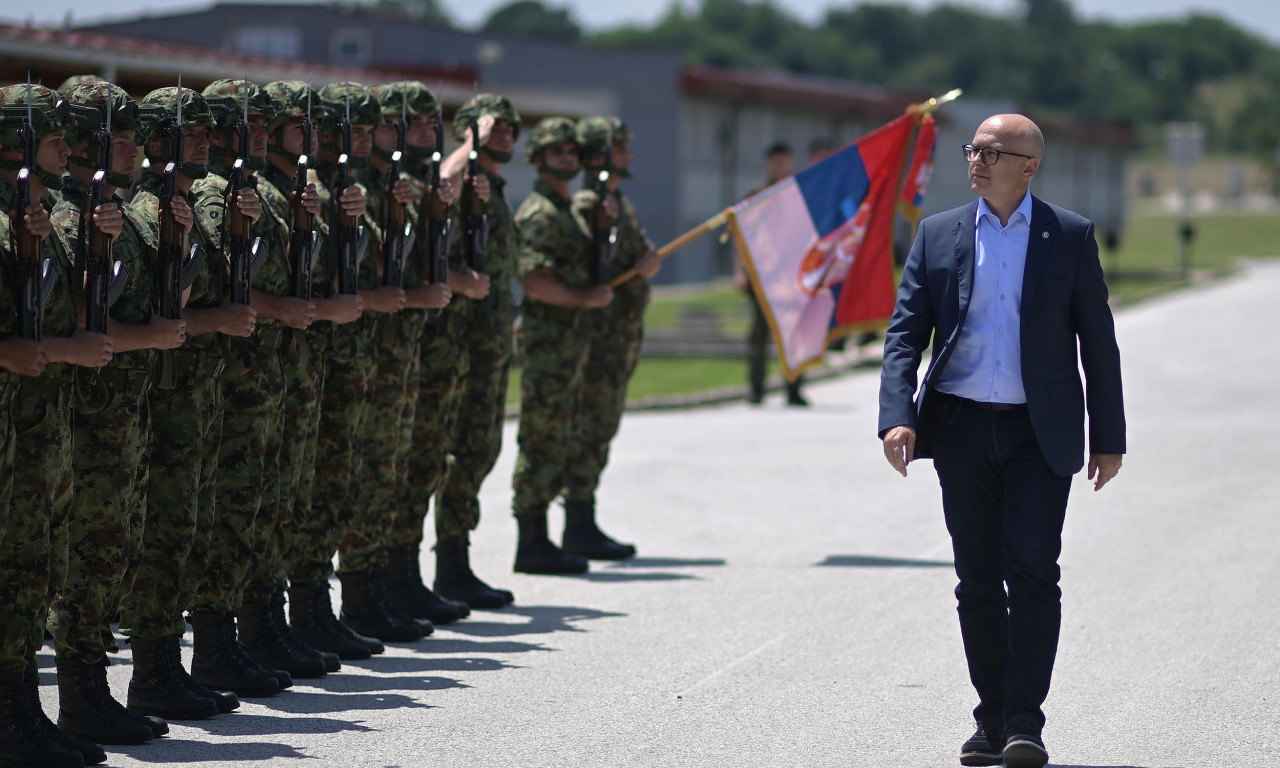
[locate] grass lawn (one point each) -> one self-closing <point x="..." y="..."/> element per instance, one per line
<point x="662" y="376"/>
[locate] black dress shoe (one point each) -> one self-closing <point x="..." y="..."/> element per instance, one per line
<point x="985" y="746"/>
<point x="1023" y="750"/>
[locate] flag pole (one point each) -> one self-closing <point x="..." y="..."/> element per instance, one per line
<point x="713" y="223"/>
<point x="930" y="105"/>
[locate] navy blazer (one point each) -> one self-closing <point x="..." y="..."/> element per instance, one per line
<point x="1064" y="311"/>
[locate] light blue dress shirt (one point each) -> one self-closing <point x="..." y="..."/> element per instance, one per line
<point x="986" y="364"/>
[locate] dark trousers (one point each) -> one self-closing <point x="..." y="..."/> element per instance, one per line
<point x="757" y="349"/>
<point x="1004" y="509"/>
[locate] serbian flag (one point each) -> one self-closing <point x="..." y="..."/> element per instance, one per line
<point x="911" y="202"/>
<point x="828" y="224"/>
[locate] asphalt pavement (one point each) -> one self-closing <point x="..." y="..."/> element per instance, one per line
<point x="792" y="606"/>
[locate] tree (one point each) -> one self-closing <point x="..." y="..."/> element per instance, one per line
<point x="530" y="18"/>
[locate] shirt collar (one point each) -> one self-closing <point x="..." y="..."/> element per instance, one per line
<point x="1023" y="209"/>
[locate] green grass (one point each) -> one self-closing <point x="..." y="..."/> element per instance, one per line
<point x="665" y="376"/>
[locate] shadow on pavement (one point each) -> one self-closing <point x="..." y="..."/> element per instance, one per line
<point x="407" y="665"/>
<point x="311" y="701"/>
<point x="873" y="561"/>
<point x="543" y="619"/>
<point x="669" y="562"/>
<point x="260" y="724"/>
<point x="617" y="576"/>
<point x="175" y="751"/>
<point x="400" y="682"/>
<point x="464" y="645"/>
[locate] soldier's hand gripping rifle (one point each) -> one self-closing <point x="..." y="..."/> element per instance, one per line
<point x="434" y="213"/>
<point x="399" y="232"/>
<point x="304" y="238"/>
<point x="475" y="222"/>
<point x="245" y="251"/>
<point x="604" y="234"/>
<point x="175" y="275"/>
<point x="35" y="276"/>
<point x="348" y="235"/>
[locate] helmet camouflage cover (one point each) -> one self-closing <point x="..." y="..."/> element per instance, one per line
<point x="485" y="104"/>
<point x="548" y="131"/>
<point x="594" y="133"/>
<point x="158" y="110"/>
<point x="289" y="101"/>
<point x="226" y="101"/>
<point x="365" y="107"/>
<point x="420" y="100"/>
<point x="88" y="102"/>
<point x="48" y="112"/>
<point x="76" y="80"/>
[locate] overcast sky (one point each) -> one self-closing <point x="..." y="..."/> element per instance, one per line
<point x="1262" y="16"/>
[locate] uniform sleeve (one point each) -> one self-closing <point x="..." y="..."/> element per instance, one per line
<point x="537" y="236"/>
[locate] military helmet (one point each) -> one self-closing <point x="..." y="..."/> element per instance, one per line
<point x="158" y="111"/>
<point x="548" y="131"/>
<point x="88" y="102"/>
<point x="226" y="101"/>
<point x="289" y="101"/>
<point x="485" y="104"/>
<point x="420" y="101"/>
<point x="595" y="134"/>
<point x="365" y="107"/>
<point x="49" y="112"/>
<point x="76" y="80"/>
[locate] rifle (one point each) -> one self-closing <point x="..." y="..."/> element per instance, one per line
<point x="304" y="244"/>
<point x="245" y="257"/>
<point x="35" y="276"/>
<point x="399" y="233"/>
<point x="348" y="234"/>
<point x="433" y="212"/>
<point x="604" y="234"/>
<point x="475" y="222"/>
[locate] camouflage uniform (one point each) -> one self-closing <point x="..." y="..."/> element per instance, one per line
<point x="553" y="347"/>
<point x="615" y="334"/>
<point x="186" y="428"/>
<point x="252" y="386"/>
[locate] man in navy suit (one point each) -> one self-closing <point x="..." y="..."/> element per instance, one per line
<point x="1008" y="288"/>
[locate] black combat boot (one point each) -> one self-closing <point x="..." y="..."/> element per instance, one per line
<point x="364" y="609"/>
<point x="156" y="690"/>
<point x="87" y="710"/>
<point x="226" y="700"/>
<point x="407" y="593"/>
<point x="92" y="754"/>
<point x="27" y="738"/>
<point x="455" y="580"/>
<point x="536" y="554"/>
<point x="220" y="663"/>
<point x="311" y="614"/>
<point x="263" y="641"/>
<point x="330" y="660"/>
<point x="582" y="536"/>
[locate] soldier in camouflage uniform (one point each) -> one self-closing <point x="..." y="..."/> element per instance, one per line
<point x="186" y="424"/>
<point x="561" y="301"/>
<point x="309" y="605"/>
<point x="465" y="371"/>
<point x="615" y="336"/>
<point x="248" y="574"/>
<point x="113" y="429"/>
<point x="352" y="364"/>
<point x="33" y="554"/>
<point x="387" y="435"/>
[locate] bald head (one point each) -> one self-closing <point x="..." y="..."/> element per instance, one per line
<point x="1017" y="133"/>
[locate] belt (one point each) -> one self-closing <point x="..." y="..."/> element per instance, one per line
<point x="125" y="382"/>
<point x="269" y="338"/>
<point x="43" y="390"/>
<point x="999" y="407"/>
<point x="193" y="363"/>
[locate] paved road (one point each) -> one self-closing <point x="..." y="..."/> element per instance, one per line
<point x="792" y="603"/>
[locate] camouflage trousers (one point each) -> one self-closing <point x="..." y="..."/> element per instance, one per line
<point x="344" y="406"/>
<point x="186" y="433"/>
<point x="615" y="337"/>
<point x="304" y="385"/>
<point x="482" y="406"/>
<point x="383" y="442"/>
<point x="554" y="353"/>
<point x="33" y="553"/>
<point x="248" y="480"/>
<point x="442" y="366"/>
<point x="111" y="458"/>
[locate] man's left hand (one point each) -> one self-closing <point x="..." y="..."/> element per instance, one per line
<point x="1105" y="466"/>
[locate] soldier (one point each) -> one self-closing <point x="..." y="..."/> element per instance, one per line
<point x="186" y="412"/>
<point x="615" y="335"/>
<point x="33" y="555"/>
<point x="387" y="435"/>
<point x="469" y="359"/>
<point x="560" y="296"/>
<point x="307" y="527"/>
<point x="112" y="430"/>
<point x="351" y="367"/>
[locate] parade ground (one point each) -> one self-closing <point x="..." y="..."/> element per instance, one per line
<point x="791" y="604"/>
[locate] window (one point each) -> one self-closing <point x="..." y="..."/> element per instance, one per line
<point x="351" y="46"/>
<point x="283" y="42"/>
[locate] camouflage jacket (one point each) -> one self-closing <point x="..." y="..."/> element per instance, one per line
<point x="273" y="276"/>
<point x="321" y="276"/>
<point x="211" y="283"/>
<point x="555" y="237"/>
<point x="135" y="248"/>
<point x="328" y="173"/>
<point x="375" y="187"/>
<point x="61" y="312"/>
<point x="633" y="244"/>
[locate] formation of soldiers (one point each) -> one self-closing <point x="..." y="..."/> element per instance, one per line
<point x="281" y="339"/>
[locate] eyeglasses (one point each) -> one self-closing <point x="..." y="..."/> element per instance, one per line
<point x="989" y="155"/>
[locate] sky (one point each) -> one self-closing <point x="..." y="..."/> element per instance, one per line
<point x="1262" y="16"/>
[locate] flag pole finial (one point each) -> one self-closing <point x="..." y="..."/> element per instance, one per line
<point x="929" y="106"/>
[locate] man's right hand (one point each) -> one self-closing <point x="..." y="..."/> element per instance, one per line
<point x="900" y="448"/>
<point x="470" y="283"/>
<point x="38" y="221"/>
<point x="352" y="201"/>
<point x="167" y="334"/>
<point x="237" y="320"/>
<point x="597" y="296"/>
<point x="23" y="356"/>
<point x="89" y="349"/>
<point x="341" y="308"/>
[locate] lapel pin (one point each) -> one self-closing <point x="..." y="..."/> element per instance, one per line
<point x="1045" y="235"/>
